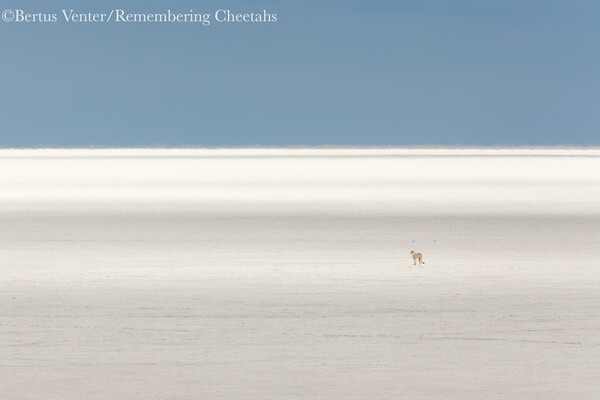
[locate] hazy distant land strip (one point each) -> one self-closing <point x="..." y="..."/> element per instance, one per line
<point x="296" y="152"/>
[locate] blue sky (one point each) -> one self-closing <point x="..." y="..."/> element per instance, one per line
<point x="435" y="72"/>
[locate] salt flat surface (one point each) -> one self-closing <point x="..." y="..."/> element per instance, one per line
<point x="285" y="274"/>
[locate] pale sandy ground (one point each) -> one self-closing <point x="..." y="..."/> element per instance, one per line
<point x="286" y="275"/>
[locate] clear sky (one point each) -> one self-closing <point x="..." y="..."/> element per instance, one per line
<point x="328" y="72"/>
